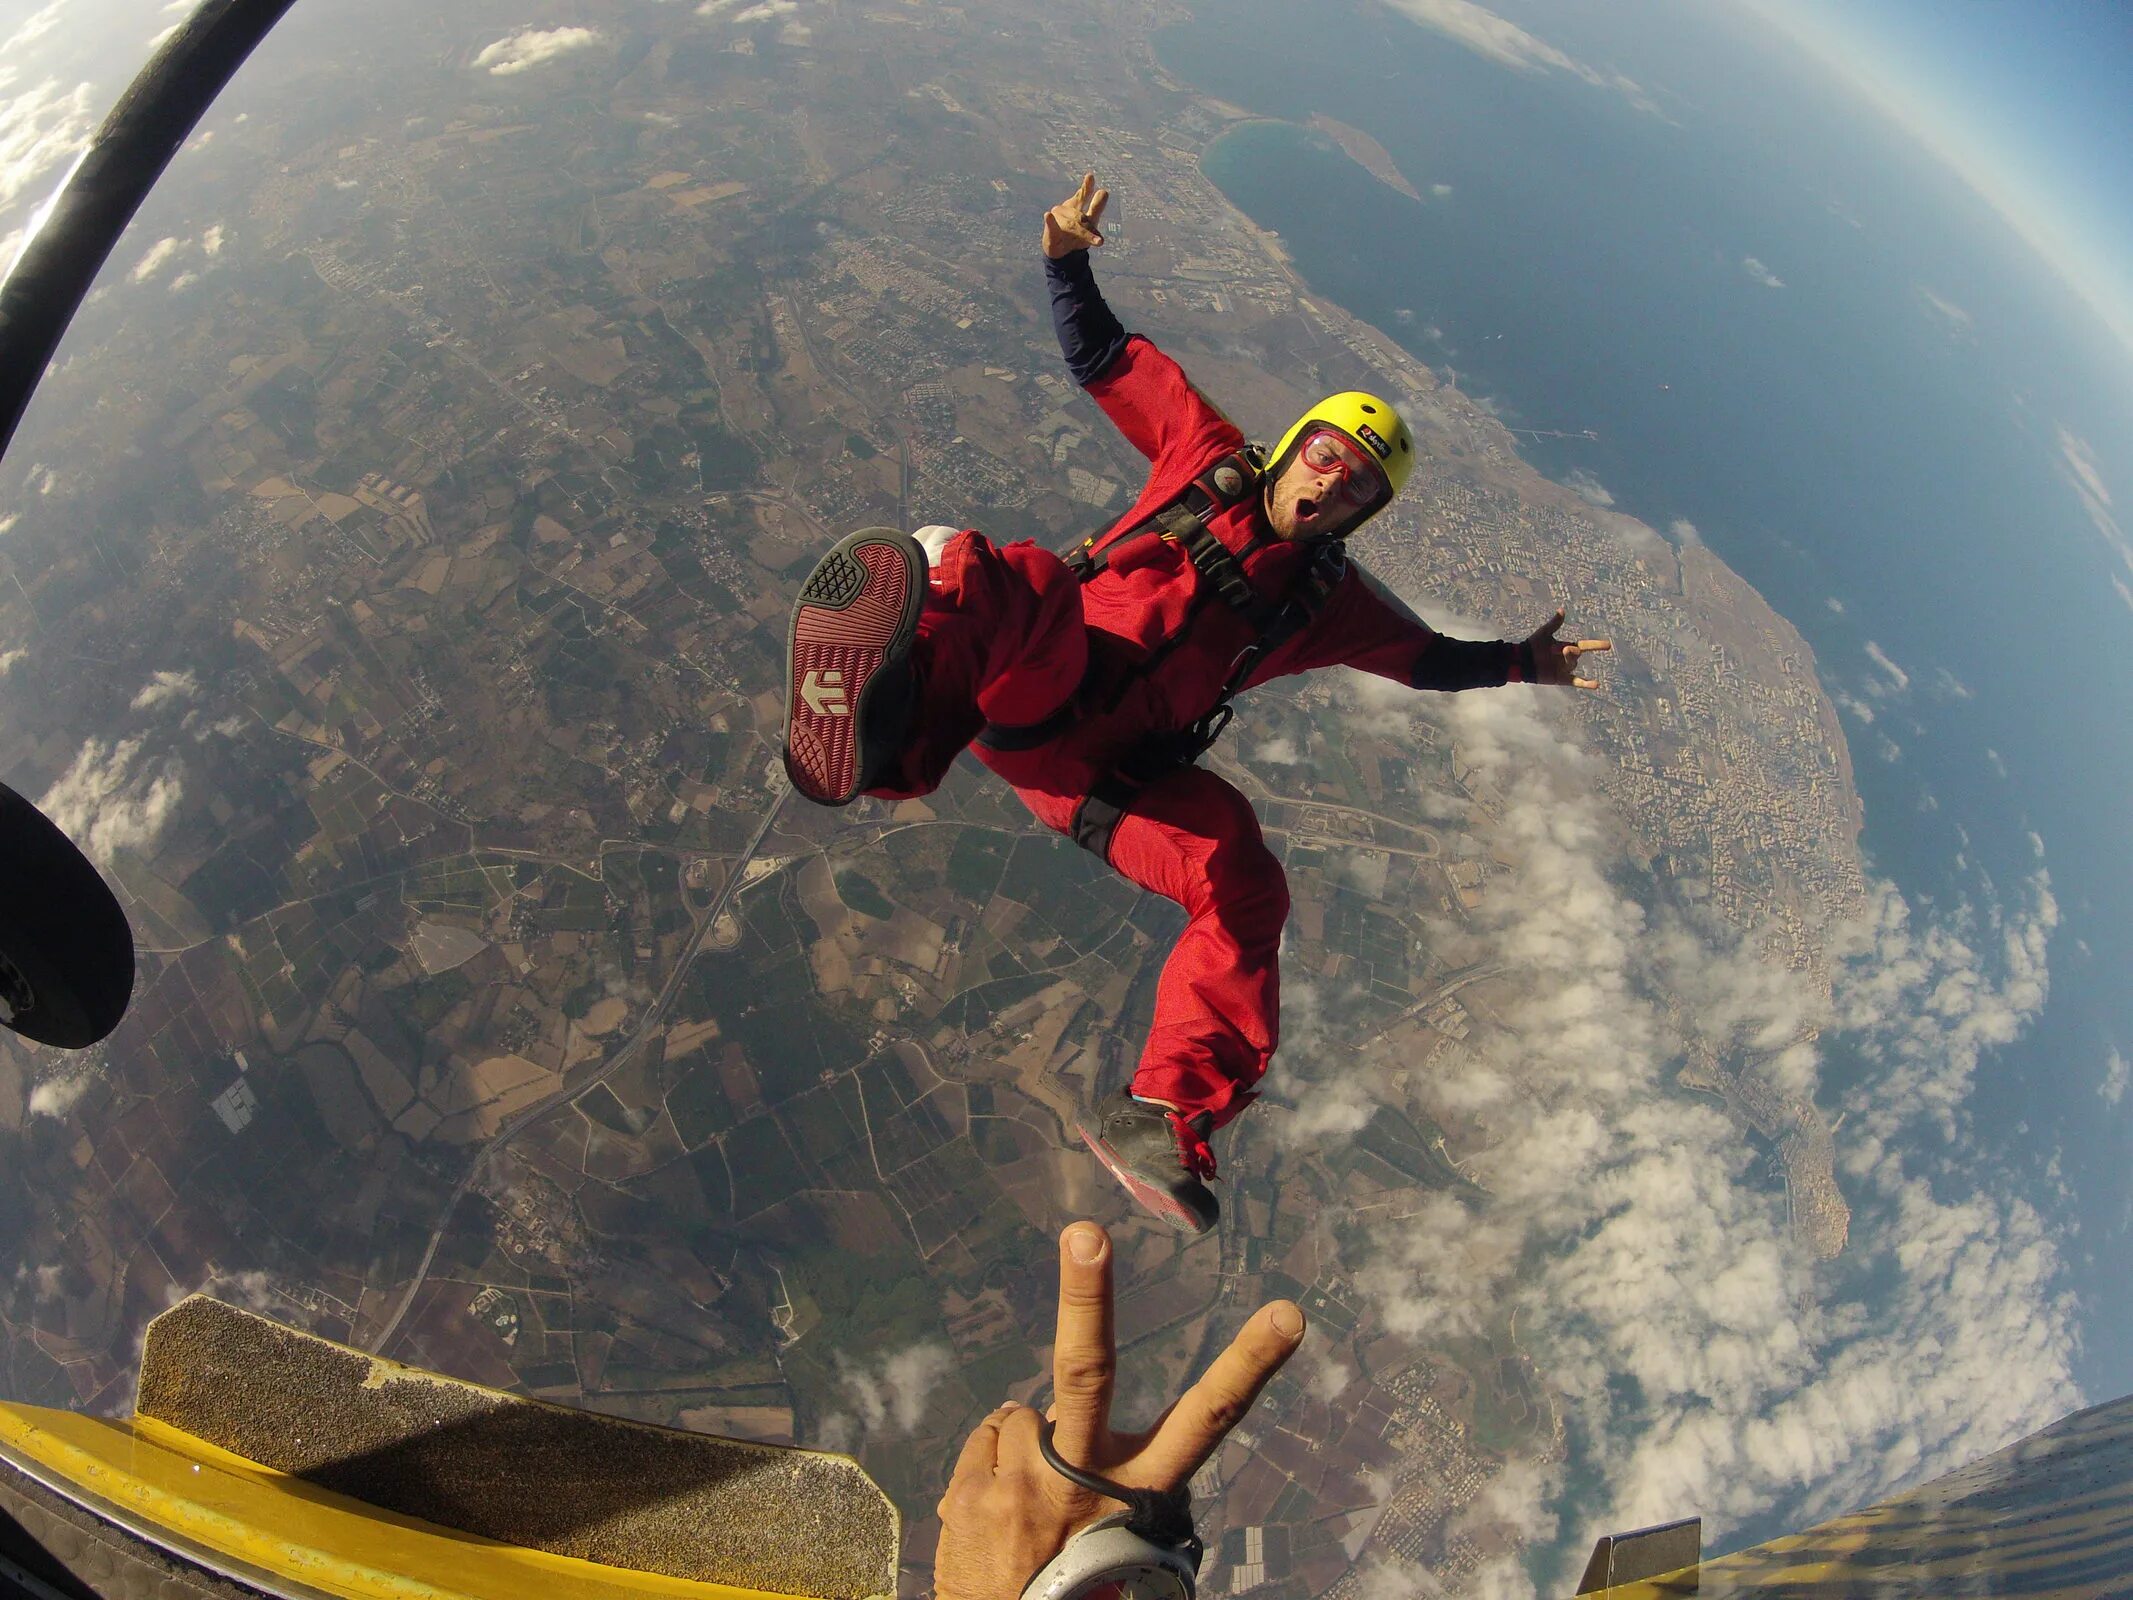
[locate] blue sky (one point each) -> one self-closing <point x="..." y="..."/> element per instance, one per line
<point x="2027" y="100"/>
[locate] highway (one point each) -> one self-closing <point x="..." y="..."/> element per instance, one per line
<point x="652" y="1021"/>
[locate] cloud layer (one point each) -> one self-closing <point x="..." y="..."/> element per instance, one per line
<point x="1703" y="1357"/>
<point x="2078" y="457"/>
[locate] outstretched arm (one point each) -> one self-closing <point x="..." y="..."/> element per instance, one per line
<point x="1367" y="627"/>
<point x="1090" y="337"/>
<point x="1145" y="394"/>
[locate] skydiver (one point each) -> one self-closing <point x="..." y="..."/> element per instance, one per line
<point x="1092" y="682"/>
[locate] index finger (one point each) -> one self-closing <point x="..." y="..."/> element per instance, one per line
<point x="1083" y="1354"/>
<point x="1204" y="1415"/>
<point x="979" y="1459"/>
<point x="1595" y="644"/>
<point x="1095" y="208"/>
<point x="1088" y="185"/>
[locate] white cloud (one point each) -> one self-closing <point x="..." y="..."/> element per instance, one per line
<point x="1280" y="751"/>
<point x="767" y="9"/>
<point x="1702" y="1356"/>
<point x="1507" y="44"/>
<point x="40" y="129"/>
<point x="183" y="281"/>
<point x="890" y="1399"/>
<point x="1440" y="191"/>
<point x="1588" y="489"/>
<point x="1852" y="704"/>
<point x="1959" y="322"/>
<point x="1900" y="678"/>
<point x="55" y="1097"/>
<point x="2117" y="1077"/>
<point x="2079" y="459"/>
<point x="160" y="255"/>
<point x="156" y="41"/>
<point x="33" y="27"/>
<point x="164" y="687"/>
<point x="115" y="797"/>
<point x="1760" y="273"/>
<point x="530" y="47"/>
<point x="1331" y="1092"/>
<point x="10" y="658"/>
<point x="211" y="241"/>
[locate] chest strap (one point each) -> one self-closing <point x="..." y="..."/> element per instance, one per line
<point x="1235" y="477"/>
<point x="1158" y="754"/>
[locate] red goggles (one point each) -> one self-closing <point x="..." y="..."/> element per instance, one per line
<point x="1362" y="484"/>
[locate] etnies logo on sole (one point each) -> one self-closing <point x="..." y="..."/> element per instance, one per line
<point x="824" y="693"/>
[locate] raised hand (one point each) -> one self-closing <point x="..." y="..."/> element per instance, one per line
<point x="1072" y="224"/>
<point x="1007" y="1513"/>
<point x="1556" y="660"/>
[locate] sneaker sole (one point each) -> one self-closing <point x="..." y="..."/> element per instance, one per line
<point x="857" y="614"/>
<point x="1146" y="1196"/>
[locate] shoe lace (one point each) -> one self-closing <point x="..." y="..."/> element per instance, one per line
<point x="1193" y="1148"/>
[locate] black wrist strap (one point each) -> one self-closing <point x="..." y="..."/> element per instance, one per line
<point x="1162" y="1516"/>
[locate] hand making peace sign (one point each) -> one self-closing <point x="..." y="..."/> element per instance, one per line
<point x="1007" y="1513"/>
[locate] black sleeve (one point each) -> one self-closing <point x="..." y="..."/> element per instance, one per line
<point x="1090" y="337"/>
<point x="1472" y="664"/>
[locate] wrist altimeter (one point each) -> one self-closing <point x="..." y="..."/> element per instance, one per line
<point x="1146" y="1552"/>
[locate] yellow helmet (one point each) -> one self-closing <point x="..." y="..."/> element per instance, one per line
<point x="1374" y="426"/>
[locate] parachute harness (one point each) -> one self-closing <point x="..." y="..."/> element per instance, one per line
<point x="1273" y="622"/>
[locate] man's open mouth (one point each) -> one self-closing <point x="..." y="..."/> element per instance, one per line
<point x="1306" y="508"/>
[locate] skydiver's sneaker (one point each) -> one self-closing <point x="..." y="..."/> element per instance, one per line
<point x="1160" y="1155"/>
<point x="849" y="679"/>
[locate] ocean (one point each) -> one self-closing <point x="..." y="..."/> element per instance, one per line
<point x="1825" y="355"/>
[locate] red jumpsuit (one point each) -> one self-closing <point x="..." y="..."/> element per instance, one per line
<point x="1009" y="635"/>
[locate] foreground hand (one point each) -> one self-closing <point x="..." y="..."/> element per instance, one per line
<point x="1072" y="224"/>
<point x="1556" y="660"/>
<point x="1007" y="1513"/>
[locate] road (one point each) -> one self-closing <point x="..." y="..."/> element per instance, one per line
<point x="653" y="1020"/>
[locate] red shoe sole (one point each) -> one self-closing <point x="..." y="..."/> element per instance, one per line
<point x="1147" y="1196"/>
<point x="857" y="613"/>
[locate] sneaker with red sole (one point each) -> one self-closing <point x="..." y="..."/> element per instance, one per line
<point x="848" y="687"/>
<point x="1159" y="1155"/>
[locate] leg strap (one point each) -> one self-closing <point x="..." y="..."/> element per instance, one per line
<point x="1096" y="818"/>
<point x="1029" y="735"/>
